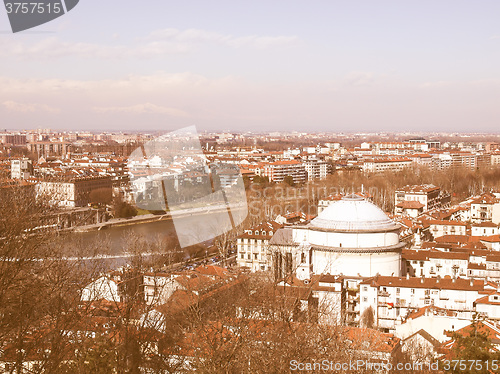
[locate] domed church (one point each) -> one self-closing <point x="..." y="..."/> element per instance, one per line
<point x="352" y="237"/>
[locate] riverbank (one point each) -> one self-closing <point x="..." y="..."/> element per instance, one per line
<point x="148" y="218"/>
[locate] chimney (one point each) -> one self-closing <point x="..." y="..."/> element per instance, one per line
<point x="422" y="280"/>
<point x="407" y="275"/>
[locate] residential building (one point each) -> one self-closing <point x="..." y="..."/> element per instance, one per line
<point x="433" y="320"/>
<point x="443" y="227"/>
<point x="72" y="192"/>
<point x="489" y="306"/>
<point x="21" y="169"/>
<point x="428" y="195"/>
<point x="482" y="207"/>
<point x="277" y="171"/>
<point x="409" y="208"/>
<point x="432" y="263"/>
<point x="392" y="299"/>
<point x="484" y="229"/>
<point x="378" y="165"/>
<point x="253" y="251"/>
<point x="316" y="169"/>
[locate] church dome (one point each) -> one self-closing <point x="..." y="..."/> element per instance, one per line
<point x="353" y="214"/>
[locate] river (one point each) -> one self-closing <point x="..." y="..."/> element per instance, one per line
<point x="114" y="243"/>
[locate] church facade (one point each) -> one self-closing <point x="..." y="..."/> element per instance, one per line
<point x="352" y="237"/>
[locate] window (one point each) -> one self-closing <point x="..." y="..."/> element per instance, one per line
<point x="365" y="299"/>
<point x="242" y="255"/>
<point x="255" y="256"/>
<point x="398" y="290"/>
<point x="365" y="288"/>
<point x="413" y="291"/>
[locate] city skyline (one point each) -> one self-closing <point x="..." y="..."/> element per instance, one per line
<point x="325" y="67"/>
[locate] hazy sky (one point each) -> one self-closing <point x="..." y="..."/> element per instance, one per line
<point x="256" y="65"/>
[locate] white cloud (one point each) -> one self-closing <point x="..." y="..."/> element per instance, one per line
<point x="53" y="47"/>
<point x="191" y="36"/>
<point x="142" y="109"/>
<point x="157" y="44"/>
<point x="360" y="78"/>
<point x="28" y="108"/>
<point x="158" y="82"/>
<point x="436" y="84"/>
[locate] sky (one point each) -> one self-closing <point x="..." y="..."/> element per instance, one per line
<point x="336" y="66"/>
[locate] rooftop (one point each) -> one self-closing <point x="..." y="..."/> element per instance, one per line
<point x="353" y="214"/>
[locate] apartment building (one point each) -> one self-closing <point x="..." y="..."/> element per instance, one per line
<point x="409" y="208"/>
<point x="421" y="159"/>
<point x="253" y="246"/>
<point x="467" y="263"/>
<point x="13" y="139"/>
<point x="468" y="160"/>
<point x="495" y="158"/>
<point x="21" y="169"/>
<point x="392" y="299"/>
<point x="484" y="229"/>
<point x="316" y="169"/>
<point x="482" y="208"/>
<point x="428" y="195"/>
<point x="432" y="263"/>
<point x="277" y="171"/>
<point x="444" y="227"/>
<point x="72" y="192"/>
<point x="378" y="165"/>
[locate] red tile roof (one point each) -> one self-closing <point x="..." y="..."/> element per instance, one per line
<point x="431" y="283"/>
